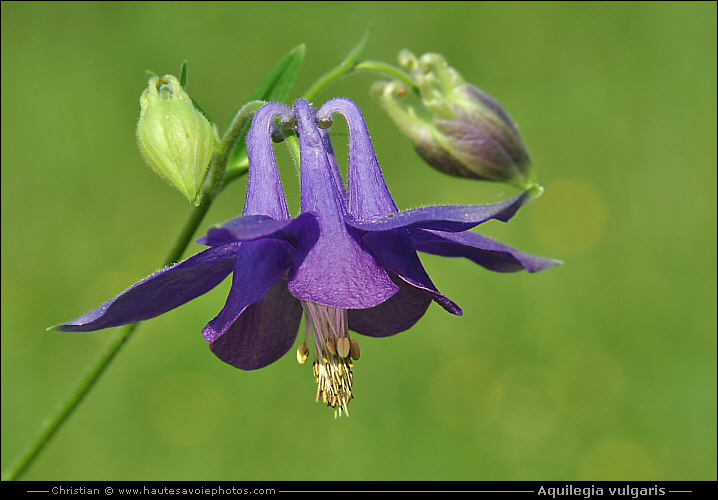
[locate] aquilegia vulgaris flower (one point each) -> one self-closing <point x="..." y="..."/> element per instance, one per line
<point x="348" y="261"/>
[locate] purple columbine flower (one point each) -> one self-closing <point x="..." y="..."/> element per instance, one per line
<point x="348" y="261"/>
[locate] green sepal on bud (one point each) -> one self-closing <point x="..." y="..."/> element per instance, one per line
<point x="175" y="139"/>
<point x="457" y="129"/>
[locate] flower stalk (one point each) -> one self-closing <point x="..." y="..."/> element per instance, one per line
<point x="351" y="64"/>
<point x="82" y="387"/>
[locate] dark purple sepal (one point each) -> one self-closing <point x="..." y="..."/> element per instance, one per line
<point x="263" y="333"/>
<point x="258" y="266"/>
<point x="253" y="227"/>
<point x="393" y="250"/>
<point x="452" y="218"/>
<point x="480" y="249"/>
<point x="395" y="315"/>
<point x="160" y="292"/>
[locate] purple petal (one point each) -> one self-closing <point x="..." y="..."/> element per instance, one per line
<point x="392" y="316"/>
<point x="166" y="289"/>
<point x="484" y="251"/>
<point x="368" y="195"/>
<point x="339" y="274"/>
<point x="330" y="267"/>
<point x="394" y="251"/>
<point x="265" y="195"/>
<point x="450" y="218"/>
<point x="253" y="227"/>
<point x="263" y="333"/>
<point x="259" y="264"/>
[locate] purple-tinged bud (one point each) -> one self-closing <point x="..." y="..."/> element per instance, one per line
<point x="175" y="139"/>
<point x="457" y="129"/>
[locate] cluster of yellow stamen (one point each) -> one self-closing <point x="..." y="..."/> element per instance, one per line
<point x="334" y="352"/>
<point x="334" y="383"/>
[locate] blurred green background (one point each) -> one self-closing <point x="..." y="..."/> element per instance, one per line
<point x="604" y="368"/>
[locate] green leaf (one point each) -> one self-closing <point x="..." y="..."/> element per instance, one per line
<point x="276" y="87"/>
<point x="183" y="74"/>
<point x="183" y="83"/>
<point x="353" y="56"/>
<point x="278" y="84"/>
<point x="346" y="66"/>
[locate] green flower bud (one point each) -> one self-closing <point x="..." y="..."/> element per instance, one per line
<point x="457" y="129"/>
<point x="174" y="138"/>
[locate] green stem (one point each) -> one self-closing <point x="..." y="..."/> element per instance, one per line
<point x="388" y="70"/>
<point x="293" y="145"/>
<point x="370" y="66"/>
<point x="214" y="185"/>
<point x="236" y="170"/>
<point x="93" y="372"/>
<point x="233" y="134"/>
<point x="50" y="425"/>
<point x="325" y="80"/>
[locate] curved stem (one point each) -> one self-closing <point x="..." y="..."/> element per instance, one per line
<point x="388" y="70"/>
<point x="325" y="80"/>
<point x="231" y="136"/>
<point x="343" y="69"/>
<point x="87" y="380"/>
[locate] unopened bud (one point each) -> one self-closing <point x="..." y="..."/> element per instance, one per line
<point x="457" y="129"/>
<point x="175" y="139"/>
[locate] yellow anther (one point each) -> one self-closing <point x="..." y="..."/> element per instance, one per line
<point x="302" y="353"/>
<point x="354" y="349"/>
<point x="334" y="382"/>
